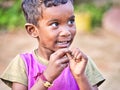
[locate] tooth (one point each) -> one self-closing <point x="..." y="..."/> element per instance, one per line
<point x="64" y="42"/>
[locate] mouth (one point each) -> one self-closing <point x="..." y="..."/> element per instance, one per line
<point x="63" y="44"/>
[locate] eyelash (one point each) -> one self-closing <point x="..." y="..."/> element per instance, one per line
<point x="71" y="22"/>
<point x="56" y="24"/>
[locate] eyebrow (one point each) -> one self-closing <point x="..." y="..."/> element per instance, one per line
<point x="54" y="20"/>
<point x="73" y="16"/>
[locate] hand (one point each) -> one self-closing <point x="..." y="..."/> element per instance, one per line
<point x="78" y="62"/>
<point x="57" y="63"/>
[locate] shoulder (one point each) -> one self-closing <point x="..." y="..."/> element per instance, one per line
<point x="15" y="72"/>
<point x="17" y="61"/>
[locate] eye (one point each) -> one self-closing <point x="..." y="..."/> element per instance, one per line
<point x="55" y="24"/>
<point x="71" y="22"/>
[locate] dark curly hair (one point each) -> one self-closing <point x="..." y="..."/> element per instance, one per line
<point x="32" y="8"/>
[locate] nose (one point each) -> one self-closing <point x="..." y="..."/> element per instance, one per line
<point x="65" y="31"/>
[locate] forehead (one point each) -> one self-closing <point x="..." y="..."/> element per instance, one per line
<point x="63" y="10"/>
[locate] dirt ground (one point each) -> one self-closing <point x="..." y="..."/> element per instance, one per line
<point x="102" y="46"/>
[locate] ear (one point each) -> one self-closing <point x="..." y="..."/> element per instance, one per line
<point x="32" y="30"/>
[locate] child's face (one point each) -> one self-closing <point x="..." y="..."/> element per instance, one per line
<point x="57" y="27"/>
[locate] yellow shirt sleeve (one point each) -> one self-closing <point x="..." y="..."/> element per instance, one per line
<point x="93" y="73"/>
<point x="15" y="72"/>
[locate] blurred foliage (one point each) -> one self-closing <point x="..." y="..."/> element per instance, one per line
<point x="77" y="2"/>
<point x="96" y="12"/>
<point x="10" y="14"/>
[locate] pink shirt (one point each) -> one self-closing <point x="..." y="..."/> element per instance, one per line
<point x="65" y="81"/>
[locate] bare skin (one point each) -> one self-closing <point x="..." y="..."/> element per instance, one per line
<point x="55" y="34"/>
<point x="58" y="62"/>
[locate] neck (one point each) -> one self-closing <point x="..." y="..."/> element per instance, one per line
<point x="44" y="53"/>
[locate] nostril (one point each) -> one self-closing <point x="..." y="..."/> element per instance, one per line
<point x="65" y="33"/>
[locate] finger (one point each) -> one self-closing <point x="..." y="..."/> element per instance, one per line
<point x="75" y="52"/>
<point x="64" y="60"/>
<point x="76" y="55"/>
<point x="79" y="56"/>
<point x="63" y="66"/>
<point x="61" y="52"/>
<point x="69" y="55"/>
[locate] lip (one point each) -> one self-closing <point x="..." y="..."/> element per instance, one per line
<point x="63" y="44"/>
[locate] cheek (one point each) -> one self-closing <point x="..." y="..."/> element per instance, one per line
<point x="50" y="37"/>
<point x="73" y="32"/>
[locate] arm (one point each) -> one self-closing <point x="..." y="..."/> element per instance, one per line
<point x="57" y="63"/>
<point x="39" y="85"/>
<point x="78" y="62"/>
<point x="95" y="87"/>
<point x="18" y="86"/>
<point x="84" y="84"/>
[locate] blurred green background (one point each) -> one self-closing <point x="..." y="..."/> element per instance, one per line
<point x="11" y="16"/>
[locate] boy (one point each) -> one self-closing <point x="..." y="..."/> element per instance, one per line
<point x="52" y="66"/>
